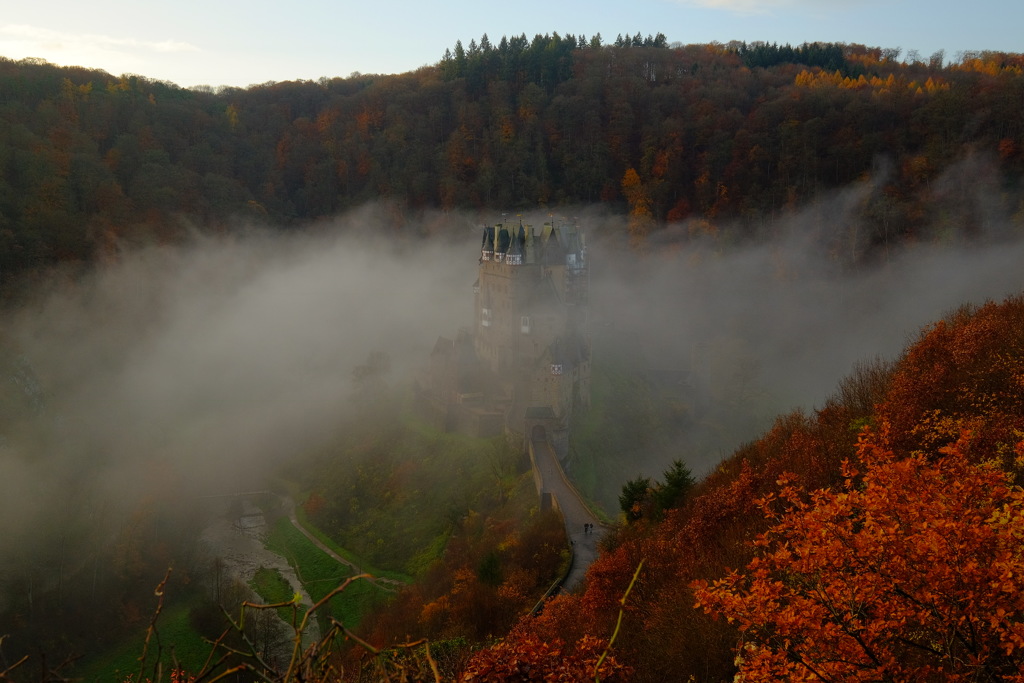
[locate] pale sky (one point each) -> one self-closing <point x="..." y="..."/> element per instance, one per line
<point x="228" y="42"/>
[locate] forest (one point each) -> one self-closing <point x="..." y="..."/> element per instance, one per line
<point x="789" y="558"/>
<point x="712" y="137"/>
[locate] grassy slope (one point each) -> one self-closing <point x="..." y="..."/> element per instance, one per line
<point x="320" y="574"/>
<point x="392" y="496"/>
<point x="176" y="643"/>
<point x="358" y="561"/>
<point x="273" y="589"/>
<point x="412" y="487"/>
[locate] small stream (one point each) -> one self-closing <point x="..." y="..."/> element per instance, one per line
<point x="240" y="545"/>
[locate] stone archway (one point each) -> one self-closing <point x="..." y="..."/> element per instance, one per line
<point x="540" y="423"/>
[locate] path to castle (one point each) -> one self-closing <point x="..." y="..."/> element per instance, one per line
<point x="389" y="585"/>
<point x="575" y="513"/>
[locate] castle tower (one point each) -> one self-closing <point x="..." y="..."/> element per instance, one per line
<point x="531" y="320"/>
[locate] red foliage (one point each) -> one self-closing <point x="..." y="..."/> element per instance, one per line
<point x="913" y="571"/>
<point x="460" y="597"/>
<point x="963" y="374"/>
<point x="525" y="657"/>
<point x="176" y="676"/>
<point x="966" y="373"/>
<point x="314" y="504"/>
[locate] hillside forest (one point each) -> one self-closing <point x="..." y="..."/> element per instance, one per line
<point x="875" y="538"/>
<point x="712" y="137"/>
<point x="145" y="227"/>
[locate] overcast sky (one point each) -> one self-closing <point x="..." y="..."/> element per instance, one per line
<point x="227" y="42"/>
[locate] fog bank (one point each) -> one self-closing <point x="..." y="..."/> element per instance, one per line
<point x="206" y="364"/>
<point x="771" y="324"/>
<point x="202" y="366"/>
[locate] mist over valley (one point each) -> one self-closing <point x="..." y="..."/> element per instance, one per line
<point x="222" y="312"/>
<point x="200" y="368"/>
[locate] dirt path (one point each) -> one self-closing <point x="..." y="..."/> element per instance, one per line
<point x="385" y="584"/>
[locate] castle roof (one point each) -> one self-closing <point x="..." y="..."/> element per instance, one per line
<point x="517" y="245"/>
<point x="487" y="244"/>
<point x="550" y="247"/>
<point x="502" y="241"/>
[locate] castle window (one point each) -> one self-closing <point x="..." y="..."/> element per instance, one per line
<point x="514" y="259"/>
<point x="556" y="368"/>
<point x="485" y="317"/>
<point x="574" y="263"/>
<point x="524" y="324"/>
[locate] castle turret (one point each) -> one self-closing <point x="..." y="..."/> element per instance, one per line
<point x="487" y="247"/>
<point x="515" y="248"/>
<point x="502" y="240"/>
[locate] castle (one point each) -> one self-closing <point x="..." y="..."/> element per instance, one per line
<point x="525" y="364"/>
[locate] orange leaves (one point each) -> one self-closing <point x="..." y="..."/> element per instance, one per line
<point x="1007" y="148"/>
<point x="369" y="119"/>
<point x="525" y="657"/>
<point x="877" y="85"/>
<point x="963" y="373"/>
<point x="434" y="614"/>
<point x="314" y="504"/>
<point x="176" y="676"/>
<point x="915" y="567"/>
<point x="491" y="573"/>
<point x="640" y="217"/>
<point x="661" y="164"/>
<point x="993" y="64"/>
<point x="897" y="555"/>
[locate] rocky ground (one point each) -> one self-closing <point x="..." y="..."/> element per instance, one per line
<point x="239" y="542"/>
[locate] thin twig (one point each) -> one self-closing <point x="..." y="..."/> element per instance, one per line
<point x="618" y="623"/>
<point x="297" y="650"/>
<point x="151" y="630"/>
<point x="433" y="664"/>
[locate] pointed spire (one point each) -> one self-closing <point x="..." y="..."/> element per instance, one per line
<point x="487" y="246"/>
<point x="501" y="243"/>
<point x="515" y="249"/>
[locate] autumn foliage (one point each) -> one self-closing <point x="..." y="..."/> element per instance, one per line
<point x="660" y="132"/>
<point x="492" y="572"/>
<point x="879" y="538"/>
<point x="965" y="373"/>
<point x="526" y="657"/>
<point x="912" y="569"/>
<point x="176" y="676"/>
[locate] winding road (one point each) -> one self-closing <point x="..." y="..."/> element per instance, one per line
<point x="575" y="512"/>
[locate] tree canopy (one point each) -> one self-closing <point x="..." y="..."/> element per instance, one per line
<point x="663" y="132"/>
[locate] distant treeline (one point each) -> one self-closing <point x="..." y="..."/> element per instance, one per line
<point x="715" y="133"/>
